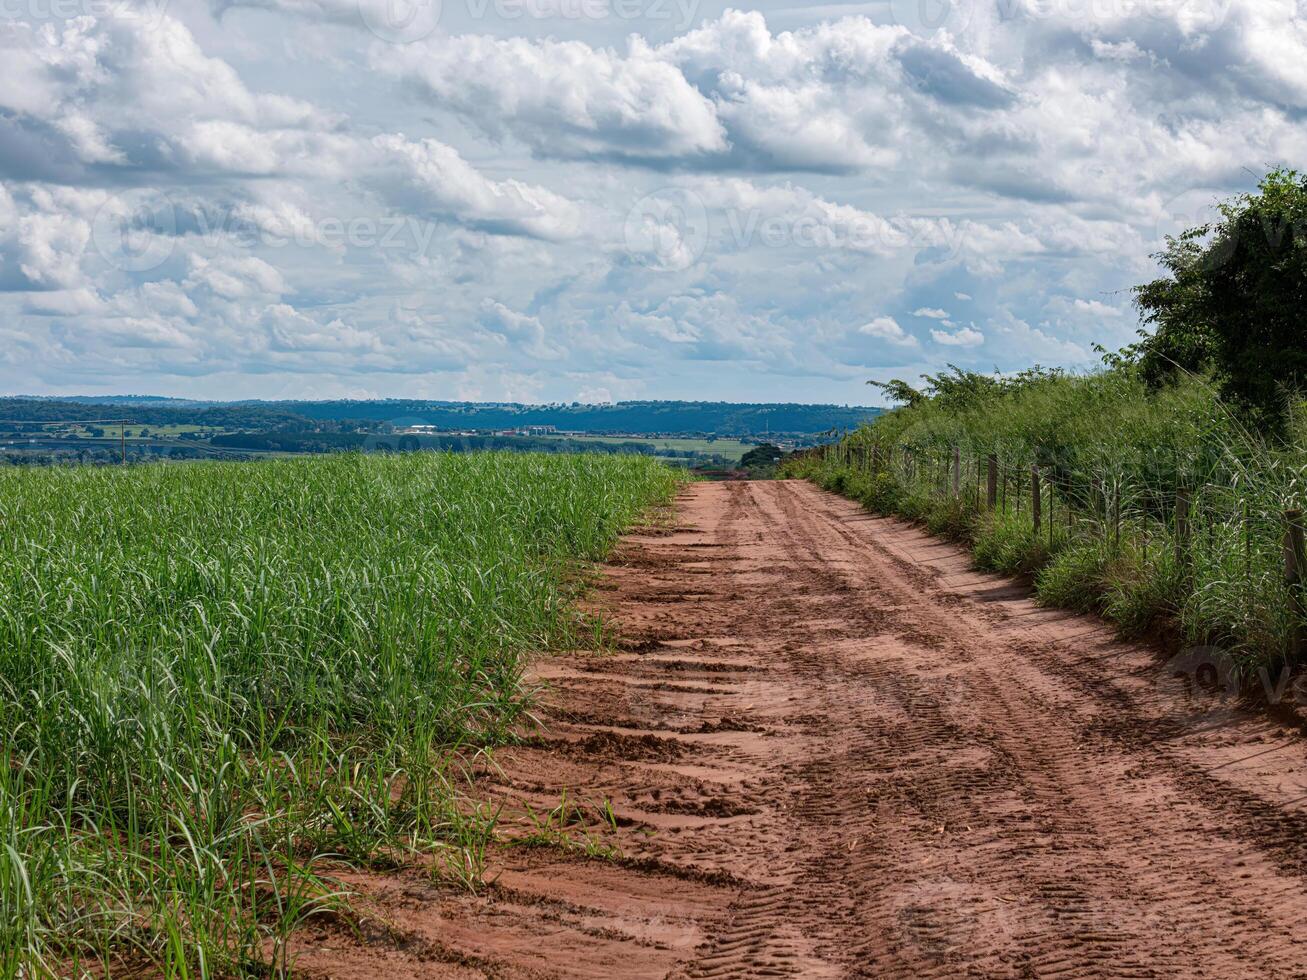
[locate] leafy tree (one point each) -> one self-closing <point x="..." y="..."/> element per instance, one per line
<point x="900" y="391"/>
<point x="763" y="455"/>
<point x="1233" y="300"/>
<point x="956" y="390"/>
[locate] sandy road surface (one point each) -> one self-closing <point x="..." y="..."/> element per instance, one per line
<point x="834" y="750"/>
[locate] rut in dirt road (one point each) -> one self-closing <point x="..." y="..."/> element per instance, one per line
<point x="832" y="749"/>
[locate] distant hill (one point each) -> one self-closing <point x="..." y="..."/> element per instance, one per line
<point x="134" y="400"/>
<point x="640" y="418"/>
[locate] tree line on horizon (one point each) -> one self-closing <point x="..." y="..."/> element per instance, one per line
<point x="650" y="417"/>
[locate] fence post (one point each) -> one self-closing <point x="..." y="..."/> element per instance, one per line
<point x="1295" y="564"/>
<point x="1116" y="514"/>
<point x="1036" y="504"/>
<point x="1052" y="510"/>
<point x="1247" y="539"/>
<point x="1182" y="529"/>
<point x="991" y="484"/>
<point x="957" y="471"/>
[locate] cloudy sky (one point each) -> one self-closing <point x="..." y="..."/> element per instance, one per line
<point x="543" y="200"/>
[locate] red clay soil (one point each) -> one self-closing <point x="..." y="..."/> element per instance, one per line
<point x="833" y="749"/>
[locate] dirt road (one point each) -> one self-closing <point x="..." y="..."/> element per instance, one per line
<point x="832" y="749"/>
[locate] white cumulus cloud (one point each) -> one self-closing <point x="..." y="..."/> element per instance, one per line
<point x="887" y="328"/>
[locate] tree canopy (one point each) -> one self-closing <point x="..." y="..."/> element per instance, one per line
<point x="1233" y="300"/>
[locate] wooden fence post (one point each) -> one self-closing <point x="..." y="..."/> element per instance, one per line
<point x="1182" y="529"/>
<point x="1036" y="504"/>
<point x="991" y="485"/>
<point x="1116" y="514"/>
<point x="1052" y="510"/>
<point x="1295" y="566"/>
<point x="957" y="471"/>
<point x="1247" y="539"/>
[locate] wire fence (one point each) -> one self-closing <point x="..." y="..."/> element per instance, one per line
<point x="1230" y="529"/>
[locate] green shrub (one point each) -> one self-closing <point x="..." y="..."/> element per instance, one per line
<point x="1006" y="542"/>
<point x="1112" y="455"/>
<point x="1076" y="577"/>
<point x="1144" y="588"/>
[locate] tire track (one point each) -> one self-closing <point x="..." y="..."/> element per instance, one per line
<point x="829" y="748"/>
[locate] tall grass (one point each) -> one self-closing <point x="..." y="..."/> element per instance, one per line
<point x="212" y="676"/>
<point x="1112" y="456"/>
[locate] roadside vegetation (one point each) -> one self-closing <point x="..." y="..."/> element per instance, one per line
<point x="1167" y="480"/>
<point x="762" y="462"/>
<point x="218" y="681"/>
